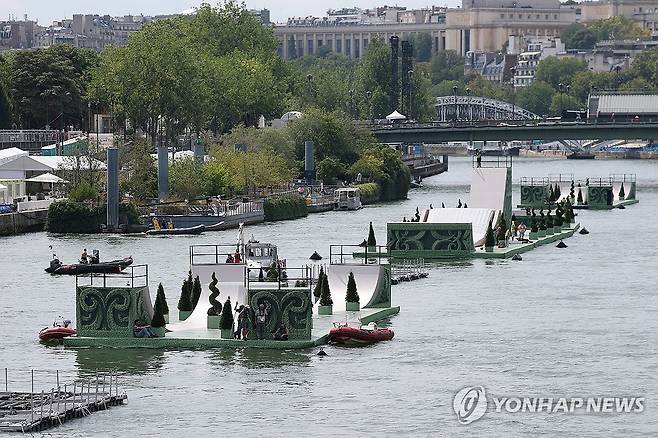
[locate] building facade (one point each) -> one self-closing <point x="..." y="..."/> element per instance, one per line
<point x="350" y="31"/>
<point x="643" y="12"/>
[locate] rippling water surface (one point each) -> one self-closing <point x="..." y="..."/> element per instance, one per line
<point x="580" y="321"/>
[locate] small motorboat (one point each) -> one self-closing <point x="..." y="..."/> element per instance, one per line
<point x="356" y="336"/>
<point x="57" y="332"/>
<point x="176" y="231"/>
<point x="112" y="267"/>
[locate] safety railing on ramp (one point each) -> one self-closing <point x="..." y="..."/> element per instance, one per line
<point x="358" y="255"/>
<point x="132" y="276"/>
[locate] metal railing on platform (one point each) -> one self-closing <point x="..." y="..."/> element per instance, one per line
<point x="561" y="177"/>
<point x="132" y="276"/>
<point x="280" y="277"/>
<point x="358" y="255"/>
<point x="623" y="177"/>
<point x="483" y="161"/>
<point x="24" y="407"/>
<point x="213" y="254"/>
<point x="534" y="181"/>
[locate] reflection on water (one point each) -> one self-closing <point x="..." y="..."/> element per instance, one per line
<point x="123" y="361"/>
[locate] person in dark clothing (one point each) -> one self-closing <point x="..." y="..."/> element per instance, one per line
<point x="261" y="321"/>
<point x="281" y="334"/>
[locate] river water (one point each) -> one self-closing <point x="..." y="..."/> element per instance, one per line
<point x="580" y="321"/>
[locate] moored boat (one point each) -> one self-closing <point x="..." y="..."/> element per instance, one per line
<point x="112" y="267"/>
<point x="355" y="336"/>
<point x="57" y="332"/>
<point x="176" y="231"/>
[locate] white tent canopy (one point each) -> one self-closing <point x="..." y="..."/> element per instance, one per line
<point x="47" y="178"/>
<point x="3" y="187"/>
<point x="396" y="116"/>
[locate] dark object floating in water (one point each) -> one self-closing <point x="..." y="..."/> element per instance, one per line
<point x="517" y="257"/>
<point x="322" y="352"/>
<point x="176" y="231"/>
<point x="111" y="267"/>
<point x="363" y="244"/>
<point x="561" y="245"/>
<point x="621" y="207"/>
<point x="316" y="256"/>
<point x="583" y="231"/>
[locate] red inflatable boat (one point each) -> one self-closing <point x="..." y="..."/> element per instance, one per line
<point x="57" y="332"/>
<point x="346" y="335"/>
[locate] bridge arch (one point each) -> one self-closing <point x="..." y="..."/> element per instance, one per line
<point x="473" y="108"/>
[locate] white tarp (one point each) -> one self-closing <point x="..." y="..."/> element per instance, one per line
<point x="47" y="178"/>
<point x="488" y="188"/>
<point x="396" y="116"/>
<point x="479" y="218"/>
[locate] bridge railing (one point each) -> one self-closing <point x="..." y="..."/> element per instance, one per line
<point x="491" y="162"/>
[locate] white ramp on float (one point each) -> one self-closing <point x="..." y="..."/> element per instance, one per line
<point x="479" y="219"/>
<point x="488" y="188"/>
<point x="368" y="279"/>
<point x="230" y="284"/>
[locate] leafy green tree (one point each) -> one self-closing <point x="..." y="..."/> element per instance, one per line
<point x="5" y="107"/>
<point x="645" y="66"/>
<point x="330" y="169"/>
<point x="482" y="87"/>
<point x="186" y="178"/>
<point x="447" y="65"/>
<point x="555" y="71"/>
<point x="446" y="87"/>
<point x="577" y="36"/>
<point x="332" y="134"/>
<point x="536" y="98"/>
<point x="48" y="86"/>
<point x="617" y="28"/>
<point x="139" y="176"/>
<point x="373" y="75"/>
<point x="422" y="46"/>
<point x="562" y="102"/>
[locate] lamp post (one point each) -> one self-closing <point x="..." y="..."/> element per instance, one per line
<point x="410" y="74"/>
<point x="454" y="97"/>
<point x="370" y="111"/>
<point x="513" y="70"/>
<point x="351" y="92"/>
<point x="468" y="103"/>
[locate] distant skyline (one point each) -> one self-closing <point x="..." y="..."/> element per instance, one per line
<point x="47" y="11"/>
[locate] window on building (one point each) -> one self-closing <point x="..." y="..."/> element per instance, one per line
<point x="555" y="16"/>
<point x="502" y="15"/>
<point x="339" y="46"/>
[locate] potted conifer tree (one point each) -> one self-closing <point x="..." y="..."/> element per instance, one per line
<point x="326" y="303"/>
<point x="158" y="321"/>
<point x="196" y="291"/>
<point x="352" y="301"/>
<point x="579" y="199"/>
<point x="160" y="296"/>
<point x="372" y="242"/>
<point x="185" y="301"/>
<point x="534" y="229"/>
<point x="549" y="223"/>
<point x="622" y="192"/>
<point x="215" y="311"/>
<point x="317" y="292"/>
<point x="489" y="238"/>
<point x="226" y="321"/>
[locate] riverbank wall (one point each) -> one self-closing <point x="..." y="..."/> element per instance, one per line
<point x="22" y="222"/>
